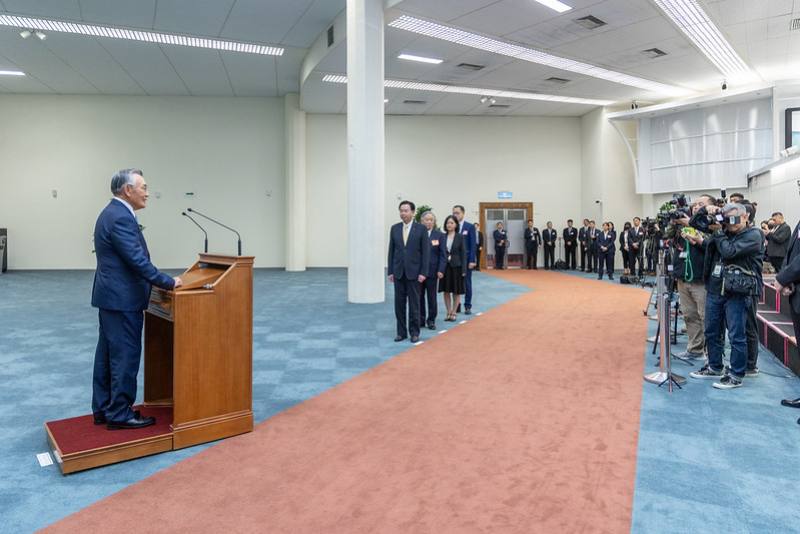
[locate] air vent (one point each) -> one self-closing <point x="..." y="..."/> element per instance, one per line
<point x="794" y="25"/>
<point x="500" y="106"/>
<point x="589" y="22"/>
<point x="470" y="66"/>
<point x="557" y="80"/>
<point x="653" y="53"/>
<point x="414" y="102"/>
<point x="330" y="37"/>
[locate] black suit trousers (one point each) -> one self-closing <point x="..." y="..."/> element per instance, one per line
<point x="605" y="261"/>
<point x="406" y="305"/>
<point x="570" y="257"/>
<point x="549" y="256"/>
<point x="531" y="253"/>
<point x="777" y="262"/>
<point x="591" y="255"/>
<point x="428" y="291"/>
<point x="584" y="254"/>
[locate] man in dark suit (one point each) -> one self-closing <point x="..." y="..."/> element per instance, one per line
<point x="121" y="292"/>
<point x="591" y="247"/>
<point x="467" y="232"/>
<point x="788" y="283"/>
<point x="550" y="236"/>
<point x="436" y="265"/>
<point x="778" y="241"/>
<point x="583" y="234"/>
<point x="570" y="245"/>
<point x="409" y="256"/>
<point x="500" y="244"/>
<point x="479" y="247"/>
<point x="532" y="241"/>
<point x="636" y="237"/>
<point x="606" y="248"/>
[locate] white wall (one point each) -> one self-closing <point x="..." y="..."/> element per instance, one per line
<point x="228" y="151"/>
<point x="441" y="161"/>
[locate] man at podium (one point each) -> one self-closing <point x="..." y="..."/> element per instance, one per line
<point x="121" y="292"/>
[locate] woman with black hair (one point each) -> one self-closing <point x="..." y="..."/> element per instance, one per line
<point x="452" y="280"/>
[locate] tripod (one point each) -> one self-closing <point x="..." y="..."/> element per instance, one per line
<point x="664" y="307"/>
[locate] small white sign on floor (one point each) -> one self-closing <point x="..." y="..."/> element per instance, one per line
<point x="479" y="314"/>
<point x="442" y="331"/>
<point x="462" y="322"/>
<point x="44" y="459"/>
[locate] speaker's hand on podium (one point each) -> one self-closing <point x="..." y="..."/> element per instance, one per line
<point x="178" y="282"/>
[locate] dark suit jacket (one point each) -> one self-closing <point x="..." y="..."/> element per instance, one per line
<point x="124" y="273"/>
<point x="636" y="237"/>
<point x="790" y="273"/>
<point x="438" y="254"/>
<point x="458" y="251"/>
<point x="550" y="237"/>
<point x="778" y="241"/>
<point x="410" y="260"/>
<point x="500" y="235"/>
<point x="583" y="233"/>
<point x="471" y="240"/>
<point x="532" y="238"/>
<point x="481" y="239"/>
<point x="591" y="238"/>
<point x="570" y="235"/>
<point x="609" y="241"/>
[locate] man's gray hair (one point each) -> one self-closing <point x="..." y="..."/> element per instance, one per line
<point x="740" y="210"/>
<point x="426" y="213"/>
<point x="123" y="178"/>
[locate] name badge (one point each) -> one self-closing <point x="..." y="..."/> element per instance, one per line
<point x="464" y="232"/>
<point x="435" y="242"/>
<point x="717" y="270"/>
<point x="683" y="255"/>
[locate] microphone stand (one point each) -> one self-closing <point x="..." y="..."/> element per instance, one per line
<point x="222" y="225"/>
<point x="201" y="229"/>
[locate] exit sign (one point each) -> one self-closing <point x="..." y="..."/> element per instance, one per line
<point x="504" y="195"/>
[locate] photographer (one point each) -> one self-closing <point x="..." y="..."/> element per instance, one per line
<point x="733" y="257"/>
<point x="688" y="265"/>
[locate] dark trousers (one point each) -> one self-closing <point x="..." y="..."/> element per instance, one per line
<point x="549" y="256"/>
<point x="406" y="292"/>
<point x="428" y="290"/>
<point x="751" y="331"/>
<point x="531" y="257"/>
<point x="570" y="257"/>
<point x="633" y="258"/>
<point x="478" y="260"/>
<point x="650" y="263"/>
<point x="625" y="263"/>
<point x="795" y="322"/>
<point x="584" y="255"/>
<point x="733" y="310"/>
<point x="468" y="290"/>
<point x="605" y="260"/>
<point x="116" y="364"/>
<point x="777" y="262"/>
<point x="499" y="257"/>
<point x="591" y="256"/>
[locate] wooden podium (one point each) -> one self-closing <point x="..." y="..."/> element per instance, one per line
<point x="198" y="359"/>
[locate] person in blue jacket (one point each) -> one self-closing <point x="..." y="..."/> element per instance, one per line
<point x="121" y="292"/>
<point x="467" y="231"/>
<point x="436" y="265"/>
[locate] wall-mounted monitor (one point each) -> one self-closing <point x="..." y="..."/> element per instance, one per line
<point x="792" y="137"/>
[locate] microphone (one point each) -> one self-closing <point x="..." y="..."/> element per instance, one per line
<point x="222" y="225"/>
<point x="198" y="225"/>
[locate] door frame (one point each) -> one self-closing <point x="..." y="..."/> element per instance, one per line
<point x="483" y="206"/>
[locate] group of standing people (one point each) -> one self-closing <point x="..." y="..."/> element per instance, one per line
<point x="424" y="261"/>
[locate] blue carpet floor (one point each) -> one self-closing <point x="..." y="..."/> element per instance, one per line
<point x="306" y="339"/>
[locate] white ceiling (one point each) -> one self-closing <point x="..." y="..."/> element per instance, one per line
<point x="74" y="64"/>
<point x="69" y="64"/>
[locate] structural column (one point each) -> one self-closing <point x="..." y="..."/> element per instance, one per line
<point x="295" y="158"/>
<point x="365" y="211"/>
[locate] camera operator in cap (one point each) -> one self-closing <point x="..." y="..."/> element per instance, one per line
<point x="688" y="264"/>
<point x="733" y="257"/>
<point x="787" y="282"/>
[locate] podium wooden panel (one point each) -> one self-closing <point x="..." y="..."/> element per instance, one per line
<point x="197" y="365"/>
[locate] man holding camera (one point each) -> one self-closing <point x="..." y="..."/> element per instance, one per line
<point x="688" y="265"/>
<point x="733" y="259"/>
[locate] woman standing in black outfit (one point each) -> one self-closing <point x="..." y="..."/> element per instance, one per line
<point x="452" y="283"/>
<point x="623" y="248"/>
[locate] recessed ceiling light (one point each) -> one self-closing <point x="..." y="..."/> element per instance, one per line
<point x="561" y="7"/>
<point x="590" y="22"/>
<point x="31" y="24"/>
<point x="483" y="92"/>
<point x="488" y="44"/>
<point x="701" y="30"/>
<point x="11" y="73"/>
<point x="421" y="59"/>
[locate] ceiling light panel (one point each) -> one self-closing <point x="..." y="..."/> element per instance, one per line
<point x="695" y="23"/>
<point x="561" y="7"/>
<point x="488" y="44"/>
<point x="420" y="59"/>
<point x="457" y="89"/>
<point x="137" y="35"/>
<point x="11" y="73"/>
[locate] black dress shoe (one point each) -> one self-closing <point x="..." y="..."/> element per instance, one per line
<point x="431" y="326"/>
<point x="458" y="309"/>
<point x="791" y="403"/>
<point x="399" y="338"/>
<point x="414" y="339"/>
<point x="100" y="419"/>
<point x="133" y="422"/>
<point x="468" y="311"/>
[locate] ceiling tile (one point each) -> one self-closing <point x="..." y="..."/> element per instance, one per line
<point x="57" y="9"/>
<point x="251" y="75"/>
<point x="200" y="69"/>
<point x="313" y="22"/>
<point x="264" y="21"/>
<point x="138" y="14"/>
<point x="197" y="17"/>
<point x="147" y="64"/>
<point x="444" y="10"/>
<point x="288" y="68"/>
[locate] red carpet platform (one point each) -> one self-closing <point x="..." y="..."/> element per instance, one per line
<point x="776" y="329"/>
<point x="80" y="444"/>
